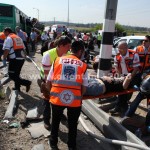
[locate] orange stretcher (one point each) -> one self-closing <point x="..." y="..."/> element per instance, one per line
<point x="111" y="94"/>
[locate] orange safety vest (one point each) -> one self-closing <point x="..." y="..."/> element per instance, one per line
<point x="128" y="61"/>
<point x="144" y="57"/>
<point x="17" y="42"/>
<point x="2" y="36"/>
<point x="67" y="81"/>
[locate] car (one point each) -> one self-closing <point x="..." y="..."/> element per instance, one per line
<point x="132" y="41"/>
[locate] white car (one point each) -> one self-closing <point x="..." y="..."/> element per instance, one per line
<point x="132" y="41"/>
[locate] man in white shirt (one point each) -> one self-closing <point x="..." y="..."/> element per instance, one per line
<point x="44" y="37"/>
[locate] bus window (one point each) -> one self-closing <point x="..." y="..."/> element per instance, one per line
<point x="6" y="11"/>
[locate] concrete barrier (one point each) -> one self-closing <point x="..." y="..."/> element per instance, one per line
<point x="12" y="105"/>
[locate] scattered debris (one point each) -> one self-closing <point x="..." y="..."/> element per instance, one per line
<point x="38" y="147"/>
<point x="32" y="113"/>
<point x="5" y="121"/>
<point x="4" y="80"/>
<point x="37" y="130"/>
<point x="14" y="125"/>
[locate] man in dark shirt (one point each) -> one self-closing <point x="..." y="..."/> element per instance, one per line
<point x="108" y="84"/>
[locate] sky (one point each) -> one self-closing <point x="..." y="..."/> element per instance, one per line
<point x="129" y="12"/>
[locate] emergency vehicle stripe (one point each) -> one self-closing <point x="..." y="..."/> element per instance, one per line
<point x="58" y="95"/>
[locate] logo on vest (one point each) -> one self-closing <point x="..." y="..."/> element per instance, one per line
<point x="69" y="73"/>
<point x="66" y="97"/>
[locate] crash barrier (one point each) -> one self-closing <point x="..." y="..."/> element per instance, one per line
<point x="111" y="141"/>
<point x="109" y="126"/>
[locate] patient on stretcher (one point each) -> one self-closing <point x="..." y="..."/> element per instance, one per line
<point x="108" y="84"/>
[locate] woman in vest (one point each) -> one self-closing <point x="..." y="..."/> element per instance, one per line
<point x="67" y="81"/>
<point x="62" y="46"/>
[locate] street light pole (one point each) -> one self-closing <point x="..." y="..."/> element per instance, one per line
<point x="37" y="12"/>
<point x="68" y="13"/>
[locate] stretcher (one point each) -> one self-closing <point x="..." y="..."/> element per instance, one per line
<point x="110" y="94"/>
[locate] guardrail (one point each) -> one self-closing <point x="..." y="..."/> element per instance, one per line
<point x="110" y="127"/>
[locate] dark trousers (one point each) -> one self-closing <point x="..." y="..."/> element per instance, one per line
<point x="33" y="46"/>
<point x="73" y="114"/>
<point x="47" y="112"/>
<point x="14" y="70"/>
<point x="148" y="118"/>
<point x="122" y="101"/>
<point x="98" y="43"/>
<point x="133" y="106"/>
<point x="25" y="44"/>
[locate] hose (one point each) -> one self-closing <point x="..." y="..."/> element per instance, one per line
<point x="33" y="62"/>
<point x="117" y="142"/>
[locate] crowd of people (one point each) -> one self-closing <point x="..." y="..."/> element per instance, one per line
<point x="65" y="80"/>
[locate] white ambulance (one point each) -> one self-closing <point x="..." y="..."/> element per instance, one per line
<point x="58" y="28"/>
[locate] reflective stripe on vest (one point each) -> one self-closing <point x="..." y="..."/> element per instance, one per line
<point x="58" y="95"/>
<point x="66" y="83"/>
<point x="42" y="73"/>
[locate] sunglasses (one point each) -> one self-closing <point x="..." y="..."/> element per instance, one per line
<point x="145" y="41"/>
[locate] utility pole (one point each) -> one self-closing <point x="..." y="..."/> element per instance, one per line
<point x="105" y="65"/>
<point x="68" y="13"/>
<point x="37" y="13"/>
<point x="54" y="20"/>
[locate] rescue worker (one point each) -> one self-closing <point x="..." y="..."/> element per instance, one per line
<point x="14" y="48"/>
<point x="2" y="38"/>
<point x="67" y="81"/>
<point x="99" y="38"/>
<point x="63" y="46"/>
<point x="126" y="63"/>
<point x="144" y="54"/>
<point x="145" y="89"/>
<point x="131" y="123"/>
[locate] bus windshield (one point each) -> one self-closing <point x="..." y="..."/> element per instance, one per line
<point x="6" y="11"/>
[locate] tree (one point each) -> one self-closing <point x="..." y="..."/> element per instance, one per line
<point x="119" y="30"/>
<point x="98" y="27"/>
